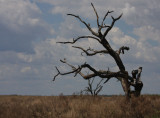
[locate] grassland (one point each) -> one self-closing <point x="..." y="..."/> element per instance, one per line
<point x="146" y="106"/>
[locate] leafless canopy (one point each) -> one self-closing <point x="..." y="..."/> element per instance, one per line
<point x="93" y="90"/>
<point x="100" y="37"/>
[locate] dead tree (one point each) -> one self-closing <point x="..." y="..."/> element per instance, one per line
<point x="94" y="91"/>
<point x="122" y="75"/>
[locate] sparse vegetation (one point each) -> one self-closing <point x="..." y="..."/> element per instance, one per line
<point x="145" y="106"/>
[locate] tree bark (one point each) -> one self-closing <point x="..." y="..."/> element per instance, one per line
<point x="114" y="54"/>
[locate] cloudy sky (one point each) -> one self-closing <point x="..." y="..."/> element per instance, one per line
<point x="29" y="30"/>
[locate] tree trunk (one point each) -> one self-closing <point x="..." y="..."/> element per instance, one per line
<point x="126" y="87"/>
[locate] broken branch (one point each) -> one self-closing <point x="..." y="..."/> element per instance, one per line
<point x="121" y="50"/>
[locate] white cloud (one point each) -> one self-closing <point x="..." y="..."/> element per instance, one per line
<point x="21" y="25"/>
<point x="148" y="33"/>
<point x="17" y="14"/>
<point x="71" y="28"/>
<point x="136" y="12"/>
<point x="140" y="14"/>
<point x="25" y="58"/>
<point x="139" y="49"/>
<point x="144" y="13"/>
<point x="145" y="52"/>
<point x="120" y="39"/>
<point x="25" y="69"/>
<point x="128" y="10"/>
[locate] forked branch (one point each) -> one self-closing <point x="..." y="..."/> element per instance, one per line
<point x="94" y="52"/>
<point x="106" y="16"/>
<point x="102" y="24"/>
<point x="91" y="89"/>
<point x="74" y="70"/>
<point x="59" y="73"/>
<point x="101" y="73"/>
<point x="112" y="24"/>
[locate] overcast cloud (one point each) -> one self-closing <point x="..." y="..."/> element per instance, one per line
<point x="29" y="53"/>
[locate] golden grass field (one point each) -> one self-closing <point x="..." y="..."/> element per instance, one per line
<point x="146" y="106"/>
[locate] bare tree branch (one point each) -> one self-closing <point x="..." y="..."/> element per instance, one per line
<point x="91" y="89"/>
<point x="98" y="85"/>
<point x="104" y="74"/>
<point x="106" y="16"/>
<point x="59" y="73"/>
<point x="87" y="25"/>
<point x="96" y="15"/>
<point x="105" y="26"/>
<point x="99" y="89"/>
<point x="102" y="24"/>
<point x="94" y="52"/>
<point x="75" y="70"/>
<point x="100" y="73"/>
<point x="56" y="74"/>
<point x="112" y="24"/>
<point x="107" y="80"/>
<point x="81" y="37"/>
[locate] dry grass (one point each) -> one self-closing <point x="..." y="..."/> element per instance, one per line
<point x="146" y="106"/>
